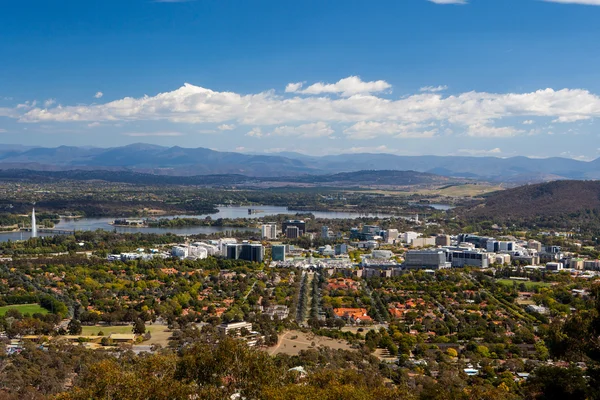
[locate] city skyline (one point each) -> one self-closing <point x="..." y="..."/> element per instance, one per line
<point x="440" y="77"/>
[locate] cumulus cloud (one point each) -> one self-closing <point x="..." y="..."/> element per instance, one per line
<point x="99" y="95"/>
<point x="482" y="130"/>
<point x="226" y="127"/>
<point x="314" y="130"/>
<point x="528" y="122"/>
<point x="478" y="152"/>
<point x="370" y="149"/>
<point x="153" y="134"/>
<point x="345" y="87"/>
<point x="582" y="2"/>
<point x="448" y="1"/>
<point x="3" y="130"/>
<point x="293" y="87"/>
<point x="371" y="129"/>
<point x="255" y="132"/>
<point x="49" y="102"/>
<point x="433" y="89"/>
<point x="361" y="115"/>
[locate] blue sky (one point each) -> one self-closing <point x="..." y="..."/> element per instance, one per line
<point x="487" y="77"/>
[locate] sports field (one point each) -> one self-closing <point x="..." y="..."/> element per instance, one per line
<point x="528" y="284"/>
<point x="24" y="309"/>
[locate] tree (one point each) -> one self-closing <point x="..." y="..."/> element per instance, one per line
<point x="74" y="327"/>
<point x="549" y="383"/>
<point x="139" y="328"/>
<point x="541" y="351"/>
<point x="452" y="353"/>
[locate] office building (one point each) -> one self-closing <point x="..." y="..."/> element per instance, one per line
<point x="534" y="245"/>
<point x="292" y="232"/>
<point x="325" y="233"/>
<point x="495" y="246"/>
<point x="246" y="251"/>
<point x="426" y="259"/>
<point x="231" y="328"/>
<point x="341" y="249"/>
<point x="180" y="251"/>
<point x="301" y="225"/>
<point x="591" y="265"/>
<point x="252" y="252"/>
<point x="210" y="248"/>
<point x="269" y="231"/>
<point x="554" y="266"/>
<point x="468" y="258"/>
<point x="232" y="251"/>
<point x="278" y="253"/>
<point x="423" y="242"/>
<point x="382" y="254"/>
<point x="408" y="237"/>
<point x="443" y="240"/>
<point x="390" y="235"/>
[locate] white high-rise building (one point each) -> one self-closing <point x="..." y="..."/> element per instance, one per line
<point x="269" y="231"/>
<point x="33" y="224"/>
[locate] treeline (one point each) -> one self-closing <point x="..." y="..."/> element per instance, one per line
<point x="45" y="301"/>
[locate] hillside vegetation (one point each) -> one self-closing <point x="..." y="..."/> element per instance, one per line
<point x="553" y="205"/>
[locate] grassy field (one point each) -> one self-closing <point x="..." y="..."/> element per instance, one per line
<point x="461" y="190"/>
<point x="24" y="309"/>
<point x="158" y="333"/>
<point x="529" y="285"/>
<point x="304" y="341"/>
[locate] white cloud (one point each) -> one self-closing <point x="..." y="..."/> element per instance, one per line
<point x="478" y="152"/>
<point x="94" y="124"/>
<point x="99" y="95"/>
<point x="448" y="1"/>
<point x="345" y="87"/>
<point x="3" y="130"/>
<point x="433" y="89"/>
<point x="582" y="2"/>
<point x="293" y="87"/>
<point x="49" y="103"/>
<point x="255" y="132"/>
<point x="364" y="115"/>
<point x="314" y="130"/>
<point x="226" y="127"/>
<point x="240" y="148"/>
<point x="370" y="149"/>
<point x="528" y="122"/>
<point x="153" y="134"/>
<point x="372" y="129"/>
<point x="482" y="130"/>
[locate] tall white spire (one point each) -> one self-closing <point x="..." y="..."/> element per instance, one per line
<point x="33" y="224"/>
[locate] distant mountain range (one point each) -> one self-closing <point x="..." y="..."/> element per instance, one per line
<point x="178" y="161"/>
<point x="345" y="179"/>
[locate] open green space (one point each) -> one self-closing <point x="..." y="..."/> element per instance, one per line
<point x="107" y="330"/>
<point x="24" y="309"/>
<point x="528" y="284"/>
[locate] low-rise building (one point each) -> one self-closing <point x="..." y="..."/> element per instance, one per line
<point x="426" y="259"/>
<point x="279" y="311"/>
<point x="230" y="328"/>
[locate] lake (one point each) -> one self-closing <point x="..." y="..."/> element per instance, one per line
<point x="92" y="224"/>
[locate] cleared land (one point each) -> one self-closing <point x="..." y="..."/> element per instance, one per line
<point x="461" y="190"/>
<point x="24" y="309"/>
<point x="528" y="284"/>
<point x="303" y="341"/>
<point x="159" y="333"/>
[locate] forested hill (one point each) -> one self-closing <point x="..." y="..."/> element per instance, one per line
<point x="559" y="204"/>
